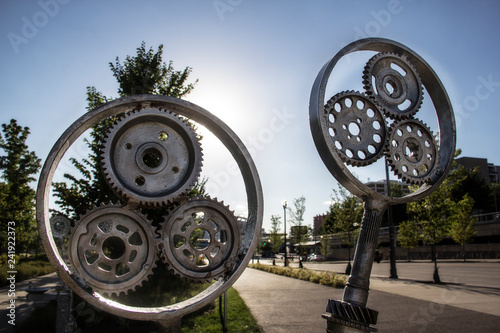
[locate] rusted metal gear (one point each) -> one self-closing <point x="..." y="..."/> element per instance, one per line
<point x="394" y="84"/>
<point x="412" y="151"/>
<point x="200" y="239"/>
<point x="356" y="127"/>
<point x="151" y="156"/>
<point x="112" y="249"/>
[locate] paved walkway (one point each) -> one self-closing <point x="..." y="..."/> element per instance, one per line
<point x="282" y="304"/>
<point x="23" y="308"/>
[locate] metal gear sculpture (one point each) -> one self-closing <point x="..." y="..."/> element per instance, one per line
<point x="151" y="158"/>
<point x="200" y="239"/>
<point x="394" y="80"/>
<point x="113" y="250"/>
<point x="394" y="84"/>
<point x="412" y="151"/>
<point x="357" y="128"/>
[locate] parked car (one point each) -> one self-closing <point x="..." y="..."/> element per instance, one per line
<point x="378" y="257"/>
<point x="315" y="257"/>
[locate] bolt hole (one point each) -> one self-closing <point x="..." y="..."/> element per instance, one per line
<point x="140" y="180"/>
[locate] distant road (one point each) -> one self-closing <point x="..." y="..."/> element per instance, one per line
<point x="473" y="273"/>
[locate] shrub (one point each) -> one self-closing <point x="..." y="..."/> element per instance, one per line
<point x="324" y="278"/>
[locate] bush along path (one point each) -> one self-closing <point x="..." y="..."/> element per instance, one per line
<point x="324" y="278"/>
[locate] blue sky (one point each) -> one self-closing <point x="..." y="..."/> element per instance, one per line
<point x="256" y="62"/>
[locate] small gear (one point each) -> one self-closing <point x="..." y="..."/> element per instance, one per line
<point x="113" y="249"/>
<point x="200" y="239"/>
<point x="394" y="84"/>
<point x="151" y="156"/>
<point x="60" y="226"/>
<point x="356" y="126"/>
<point x="412" y="151"/>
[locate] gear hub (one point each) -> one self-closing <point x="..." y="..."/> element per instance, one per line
<point x="199" y="238"/>
<point x="151" y="156"/>
<point x="113" y="250"/>
<point x="356" y="127"/>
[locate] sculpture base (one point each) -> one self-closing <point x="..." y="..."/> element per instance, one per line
<point x="344" y="317"/>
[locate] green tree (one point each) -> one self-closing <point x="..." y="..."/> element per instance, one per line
<point x="432" y="213"/>
<point x="409" y="235"/>
<point x="275" y="237"/>
<point x="144" y="73"/>
<point x="470" y="182"/>
<point x="17" y="199"/>
<point x="463" y="224"/>
<point x="296" y="218"/>
<point x="345" y="216"/>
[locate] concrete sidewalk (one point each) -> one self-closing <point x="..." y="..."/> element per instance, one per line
<point x="282" y="304"/>
<point x="23" y="308"/>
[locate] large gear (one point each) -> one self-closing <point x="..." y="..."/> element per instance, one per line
<point x="394" y="84"/>
<point x="113" y="249"/>
<point x="151" y="156"/>
<point x="200" y="239"/>
<point x="412" y="151"/>
<point x="356" y="126"/>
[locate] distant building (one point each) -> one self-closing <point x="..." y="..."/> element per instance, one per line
<point x="379" y="186"/>
<point x="489" y="171"/>
<point x="318" y="221"/>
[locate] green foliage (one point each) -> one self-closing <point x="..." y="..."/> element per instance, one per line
<point x="239" y="318"/>
<point x="144" y="73"/>
<point x="463" y="225"/>
<point x="325" y="278"/>
<point x="345" y="216"/>
<point x="26" y="269"/>
<point x="296" y="218"/>
<point x="275" y="237"/>
<point x="409" y="234"/>
<point x="18" y="166"/>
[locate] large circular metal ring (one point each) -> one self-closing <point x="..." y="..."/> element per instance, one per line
<point x="440" y="100"/>
<point x="113" y="250"/>
<point x="253" y="190"/>
<point x="151" y="156"/>
<point x="199" y="238"/>
<point x="393" y="82"/>
<point x="356" y="127"/>
<point x="412" y="151"/>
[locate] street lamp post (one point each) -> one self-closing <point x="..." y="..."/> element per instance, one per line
<point x="284" y="218"/>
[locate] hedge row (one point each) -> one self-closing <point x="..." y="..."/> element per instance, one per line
<point x="324" y="278"/>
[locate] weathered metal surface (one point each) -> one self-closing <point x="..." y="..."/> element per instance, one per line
<point x="394" y="81"/>
<point x="106" y="236"/>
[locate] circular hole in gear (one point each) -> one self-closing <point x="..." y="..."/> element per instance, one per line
<point x="128" y="146"/>
<point x="113" y="247"/>
<point x="354" y="128"/>
<point x="140" y="180"/>
<point x="200" y="239"/>
<point x="152" y="158"/>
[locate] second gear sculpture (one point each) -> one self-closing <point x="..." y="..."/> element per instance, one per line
<point x="151" y="159"/>
<point x="350" y="130"/>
